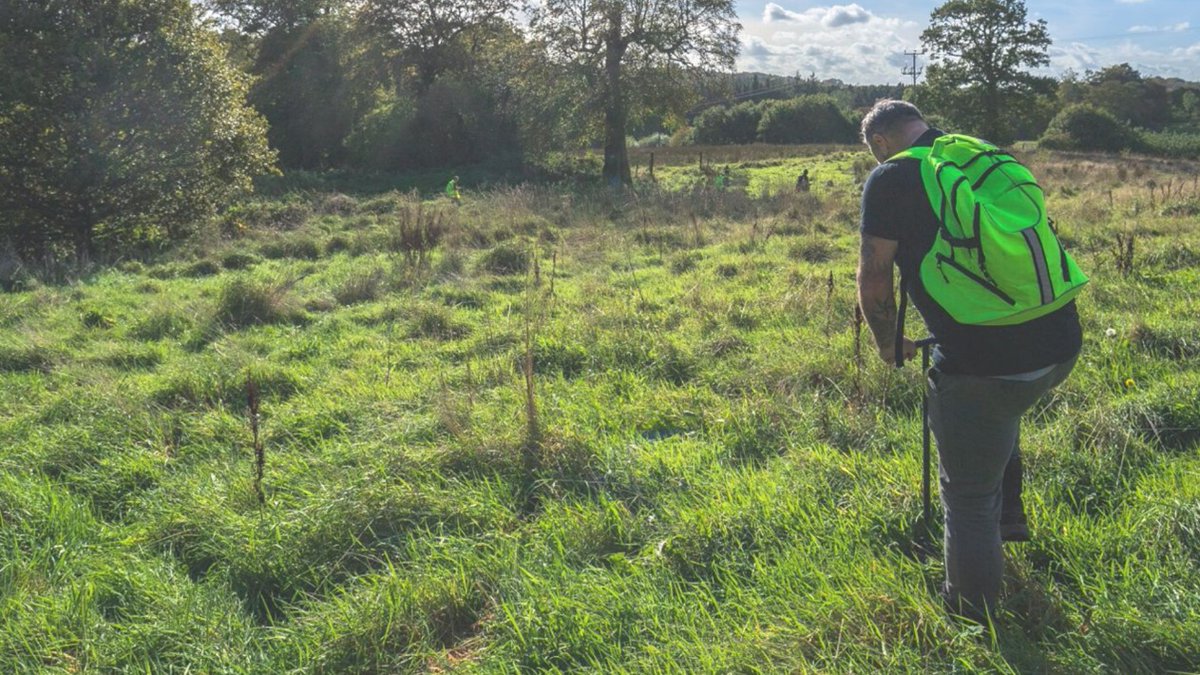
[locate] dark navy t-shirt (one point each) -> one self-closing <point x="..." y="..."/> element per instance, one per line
<point x="896" y="207"/>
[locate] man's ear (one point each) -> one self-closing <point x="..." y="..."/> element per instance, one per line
<point x="880" y="142"/>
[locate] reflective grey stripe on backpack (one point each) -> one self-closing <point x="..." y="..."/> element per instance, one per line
<point x="1039" y="264"/>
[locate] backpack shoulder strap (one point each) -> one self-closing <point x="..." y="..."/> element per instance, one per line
<point x="915" y="152"/>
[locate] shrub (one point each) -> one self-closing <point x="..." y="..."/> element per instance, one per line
<point x="437" y="322"/>
<point x="416" y="230"/>
<point x="337" y="204"/>
<point x="25" y="358"/>
<point x="94" y="318"/>
<point x="805" y="119"/>
<point x="360" y="287"/>
<point x="1083" y="127"/>
<point x="264" y="215"/>
<point x="566" y="166"/>
<point x="682" y="136"/>
<point x="452" y="124"/>
<point x="337" y="243"/>
<point x="301" y="247"/>
<point x="202" y="268"/>
<point x="1169" y="144"/>
<point x="239" y="260"/>
<point x="159" y="325"/>
<point x="506" y="258"/>
<point x="246" y="302"/>
<point x="811" y="250"/>
<point x="734" y="125"/>
<point x="685" y="262"/>
<point x="145" y="122"/>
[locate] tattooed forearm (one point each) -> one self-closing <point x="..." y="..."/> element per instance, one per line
<point x="881" y="318"/>
<point x="875" y="290"/>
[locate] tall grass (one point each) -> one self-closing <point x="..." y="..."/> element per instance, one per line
<point x="577" y="429"/>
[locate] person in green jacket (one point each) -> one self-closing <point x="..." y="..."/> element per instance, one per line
<point x="452" y="190"/>
<point x="722" y="180"/>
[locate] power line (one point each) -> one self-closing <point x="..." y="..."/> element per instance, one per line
<point x="1127" y="34"/>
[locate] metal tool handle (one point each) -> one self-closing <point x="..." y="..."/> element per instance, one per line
<point x="926" y="506"/>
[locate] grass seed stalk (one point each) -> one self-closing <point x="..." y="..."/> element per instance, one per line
<point x="259" y="454"/>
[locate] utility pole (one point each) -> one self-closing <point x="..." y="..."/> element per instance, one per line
<point x="914" y="70"/>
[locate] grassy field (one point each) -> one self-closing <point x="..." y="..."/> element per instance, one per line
<point x="559" y="430"/>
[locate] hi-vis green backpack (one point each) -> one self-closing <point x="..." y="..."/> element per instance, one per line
<point x="996" y="260"/>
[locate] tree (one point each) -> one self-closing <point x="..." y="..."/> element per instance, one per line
<point x="302" y="56"/>
<point x="980" y="49"/>
<point x="422" y="36"/>
<point x="615" y="44"/>
<point x="257" y="17"/>
<point x="307" y="89"/>
<point x="1120" y="90"/>
<point x="121" y="123"/>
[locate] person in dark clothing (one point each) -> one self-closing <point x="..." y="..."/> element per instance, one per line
<point x="983" y="379"/>
<point x="802" y="182"/>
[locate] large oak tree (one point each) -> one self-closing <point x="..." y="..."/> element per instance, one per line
<point x="424" y="36"/>
<point x="617" y="44"/>
<point x="981" y="51"/>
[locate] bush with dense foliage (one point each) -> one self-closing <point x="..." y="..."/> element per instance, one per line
<point x="454" y="123"/>
<point x="728" y="126"/>
<point x="1083" y="127"/>
<point x="121" y="124"/>
<point x="805" y="119"/>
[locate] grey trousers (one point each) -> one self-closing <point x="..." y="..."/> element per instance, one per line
<point x="977" y="421"/>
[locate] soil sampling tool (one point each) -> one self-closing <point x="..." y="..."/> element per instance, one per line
<point x="922" y="537"/>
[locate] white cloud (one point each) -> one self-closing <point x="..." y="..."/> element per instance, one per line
<point x="1179" y="62"/>
<point x="1132" y="2"/>
<point x="844" y="16"/>
<point x="861" y="46"/>
<point x="846" y="42"/>
<point x="1173" y="28"/>
<point x="829" y="17"/>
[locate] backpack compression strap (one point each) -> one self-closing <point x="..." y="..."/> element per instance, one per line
<point x="900" y="324"/>
<point x="918" y="153"/>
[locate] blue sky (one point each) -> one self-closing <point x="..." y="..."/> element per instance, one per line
<point x="863" y="42"/>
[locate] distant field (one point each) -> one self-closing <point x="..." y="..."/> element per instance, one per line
<point x="566" y="430"/>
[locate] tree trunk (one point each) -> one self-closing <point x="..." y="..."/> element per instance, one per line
<point x="616" y="156"/>
<point x="84" y="251"/>
<point x="991" y="114"/>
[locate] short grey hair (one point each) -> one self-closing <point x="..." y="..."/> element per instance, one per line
<point x="886" y="116"/>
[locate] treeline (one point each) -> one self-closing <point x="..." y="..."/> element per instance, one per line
<point x="362" y="87"/>
<point x="124" y="123"/>
<point x="1110" y="110"/>
<point x="811" y="118"/>
<point x="396" y="85"/>
<point x="1116" y="109"/>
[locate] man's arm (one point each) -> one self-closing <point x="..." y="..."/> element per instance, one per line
<point x="876" y="295"/>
